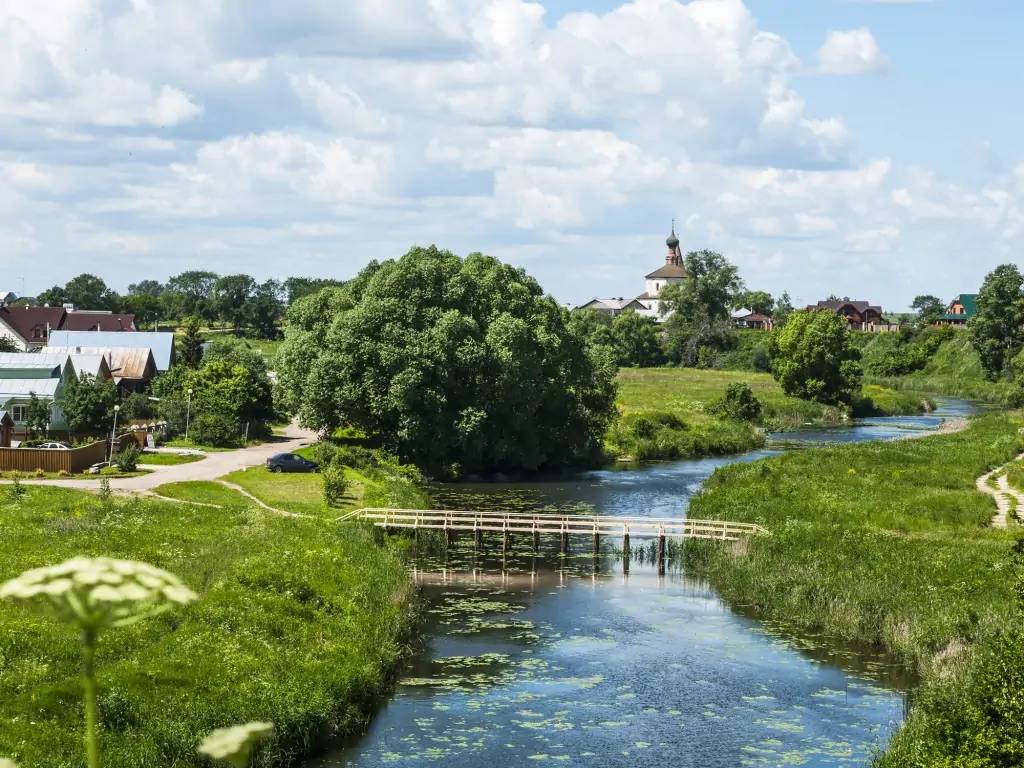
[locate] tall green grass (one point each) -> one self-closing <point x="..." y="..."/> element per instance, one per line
<point x="298" y="623"/>
<point x="954" y="370"/>
<point x="887" y="545"/>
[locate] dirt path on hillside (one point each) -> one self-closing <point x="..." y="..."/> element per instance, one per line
<point x="1008" y="500"/>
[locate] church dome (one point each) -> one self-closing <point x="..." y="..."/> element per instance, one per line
<point x="672" y="241"/>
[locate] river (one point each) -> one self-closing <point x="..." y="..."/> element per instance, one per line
<point x="543" y="660"/>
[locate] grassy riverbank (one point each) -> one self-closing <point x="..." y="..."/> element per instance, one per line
<point x="668" y="413"/>
<point x="954" y="370"/>
<point x="888" y="545"/>
<point x="297" y="623"/>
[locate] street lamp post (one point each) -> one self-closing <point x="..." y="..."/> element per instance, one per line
<point x="113" y="434"/>
<point x="188" y="412"/>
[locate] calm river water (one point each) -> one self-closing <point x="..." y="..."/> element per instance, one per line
<point x="570" y="662"/>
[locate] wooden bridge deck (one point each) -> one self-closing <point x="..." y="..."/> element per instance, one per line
<point x="562" y="524"/>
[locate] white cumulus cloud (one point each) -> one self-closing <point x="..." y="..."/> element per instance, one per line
<point x="851" y="52"/>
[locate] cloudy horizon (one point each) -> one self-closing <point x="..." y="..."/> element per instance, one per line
<point x="854" y="147"/>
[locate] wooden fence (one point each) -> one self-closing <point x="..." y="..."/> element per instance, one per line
<point x="72" y="461"/>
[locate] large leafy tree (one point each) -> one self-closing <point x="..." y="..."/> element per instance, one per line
<point x="265" y="309"/>
<point x="190" y="293"/>
<point x="452" y="363"/>
<point x="928" y="308"/>
<point x="700" y="306"/>
<point x="296" y="288"/>
<point x="87" y="403"/>
<point x="997" y="331"/>
<point x="37" y="414"/>
<point x="146" y="288"/>
<point x="637" y="341"/>
<point x="85" y="292"/>
<point x="783" y="309"/>
<point x="231" y="388"/>
<point x="146" y="308"/>
<point x="594" y="326"/>
<point x="813" y="357"/>
<point x="231" y="297"/>
<point x="756" y="301"/>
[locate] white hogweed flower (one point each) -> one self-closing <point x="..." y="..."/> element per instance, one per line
<point x="99" y="592"/>
<point x="235" y="745"/>
<point x="5" y="763"/>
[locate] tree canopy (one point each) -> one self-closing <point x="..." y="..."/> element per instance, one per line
<point x="928" y="308"/>
<point x="997" y="330"/>
<point x="88" y="403"/>
<point x="813" y="357"/>
<point x="456" y="364"/>
<point x="700" y="306"/>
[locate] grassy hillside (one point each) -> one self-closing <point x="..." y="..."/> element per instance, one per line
<point x="889" y="545"/>
<point x="954" y="370"/>
<point x="668" y="412"/>
<point x="295" y="624"/>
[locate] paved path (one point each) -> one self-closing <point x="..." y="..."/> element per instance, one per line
<point x="1008" y="501"/>
<point x="214" y="466"/>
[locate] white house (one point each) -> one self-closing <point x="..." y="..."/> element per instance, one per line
<point x="648" y="303"/>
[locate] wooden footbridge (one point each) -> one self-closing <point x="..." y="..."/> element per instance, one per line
<point x="562" y="525"/>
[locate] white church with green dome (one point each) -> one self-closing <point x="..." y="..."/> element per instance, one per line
<point x="648" y="303"/>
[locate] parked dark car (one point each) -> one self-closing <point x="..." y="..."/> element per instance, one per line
<point x="289" y="462"/>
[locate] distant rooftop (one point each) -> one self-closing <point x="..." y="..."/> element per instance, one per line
<point x="162" y="343"/>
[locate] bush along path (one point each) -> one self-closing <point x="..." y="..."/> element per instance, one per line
<point x="1009" y="502"/>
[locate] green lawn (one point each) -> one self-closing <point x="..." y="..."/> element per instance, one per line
<point x="888" y="545"/>
<point x="303" y="492"/>
<point x="687" y="392"/>
<point x="168" y="459"/>
<point x="295" y="624"/>
<point x="666" y="412"/>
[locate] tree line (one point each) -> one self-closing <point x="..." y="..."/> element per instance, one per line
<point x="697" y="326"/>
<point x="236" y="301"/>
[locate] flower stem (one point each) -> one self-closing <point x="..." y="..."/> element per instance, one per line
<point x="92" y="748"/>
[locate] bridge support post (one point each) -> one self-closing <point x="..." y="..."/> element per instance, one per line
<point x="506" y="541"/>
<point x="565" y="542"/>
<point x="597" y="543"/>
<point x="661" y="552"/>
<point x="626" y="554"/>
<point x="478" y="537"/>
<point x="536" y="539"/>
<point x="449" y="535"/>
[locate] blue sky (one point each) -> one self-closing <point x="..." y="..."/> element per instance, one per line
<point x="862" y="148"/>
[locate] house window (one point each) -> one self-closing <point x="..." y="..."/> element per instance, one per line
<point x="19" y="413"/>
<point x="37" y="333"/>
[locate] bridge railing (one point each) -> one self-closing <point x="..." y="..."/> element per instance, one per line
<point x="527" y="522"/>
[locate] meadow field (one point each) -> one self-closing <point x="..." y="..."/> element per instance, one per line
<point x="296" y="624"/>
<point x="668" y="413"/>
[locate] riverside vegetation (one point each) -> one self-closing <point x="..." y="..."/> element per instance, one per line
<point x="889" y="545"/>
<point x="668" y="413"/>
<point x="306" y="625"/>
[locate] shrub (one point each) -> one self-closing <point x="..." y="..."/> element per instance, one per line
<point x="814" y="358"/>
<point x="739" y="403"/>
<point x="1016" y="397"/>
<point x="325" y="453"/>
<point x="335" y="485"/>
<point x="127" y="459"/>
<point x="217" y="429"/>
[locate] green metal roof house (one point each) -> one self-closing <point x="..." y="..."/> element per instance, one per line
<point x="960" y="310"/>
